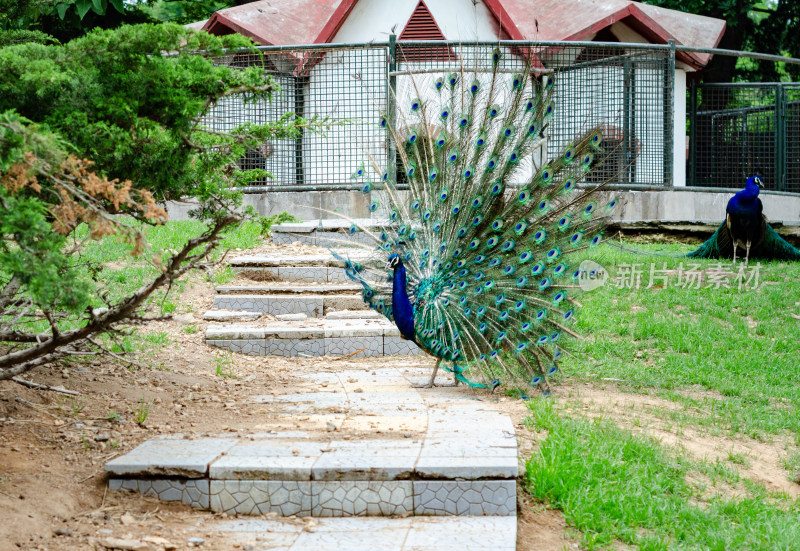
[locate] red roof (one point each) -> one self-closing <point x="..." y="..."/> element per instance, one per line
<point x="556" y="20"/>
<point x="287" y="22"/>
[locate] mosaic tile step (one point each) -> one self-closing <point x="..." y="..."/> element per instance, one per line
<point x="293" y="260"/>
<point x="290" y="289"/>
<point x="299" y="274"/>
<point x="463" y="533"/>
<point x="349" y="498"/>
<point x="313" y="338"/>
<point x="313" y="306"/>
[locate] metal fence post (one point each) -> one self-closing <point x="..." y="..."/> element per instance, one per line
<point x="669" y="126"/>
<point x="391" y="109"/>
<point x="692" y="132"/>
<point x="780" y="137"/>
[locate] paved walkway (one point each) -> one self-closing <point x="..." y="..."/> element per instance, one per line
<point x="372" y="445"/>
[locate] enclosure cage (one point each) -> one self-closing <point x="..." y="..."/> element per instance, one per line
<point x="625" y="89"/>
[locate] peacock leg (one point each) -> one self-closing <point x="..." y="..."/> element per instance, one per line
<point x="433" y="375"/>
<point x="734" y="251"/>
<point x="747" y="254"/>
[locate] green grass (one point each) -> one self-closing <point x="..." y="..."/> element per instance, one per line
<point x="727" y="357"/>
<point x="742" y="345"/>
<point x="613" y="486"/>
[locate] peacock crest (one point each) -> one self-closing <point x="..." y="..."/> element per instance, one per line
<point x="476" y="261"/>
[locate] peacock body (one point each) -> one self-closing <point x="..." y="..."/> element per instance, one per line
<point x="745" y="227"/>
<point x="475" y="264"/>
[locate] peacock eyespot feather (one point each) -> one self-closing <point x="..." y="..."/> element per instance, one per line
<point x="587" y="159"/>
<point x="477" y="220"/>
<point x="500" y="299"/>
<point x="353" y="228"/>
<point x="492" y="163"/>
<point x="415" y="104"/>
<point x="457" y="252"/>
<point x="477" y="202"/>
<point x="496" y="55"/>
<point x="462" y="285"/>
<point x="568" y="315"/>
<point x="544" y="284"/>
<point x="589" y="208"/>
<point x="467" y="312"/>
<point x="394" y="215"/>
<point x="480" y="311"/>
<point x="542" y="340"/>
<point x="543" y="206"/>
<point x="415" y="205"/>
<point x="523" y="196"/>
<point x="547" y="175"/>
<point x="495" y="262"/>
<point x="480" y="258"/>
<point x="519" y="306"/>
<point x="525" y="327"/>
<point x="522" y="281"/>
<point x="385" y="176"/>
<point x="475" y="86"/>
<point x="550" y="107"/>
<point x="559" y="297"/>
<point x="383" y="122"/>
<point x="497" y="224"/>
<point x="569" y="184"/>
<point x="432" y="176"/>
<point x="569" y="154"/>
<point x="497" y="188"/>
<point x="525" y="257"/>
<point x="557" y="355"/>
<point x="597" y="138"/>
<point x="516" y="81"/>
<point x="552" y="370"/>
<point x="508" y="131"/>
<point x="535" y="381"/>
<point x="412" y="136"/>
<point x="437" y="226"/>
<point x="529" y="106"/>
<point x="537" y="269"/>
<point x="462" y="301"/>
<point x="426" y="215"/>
<point x="491" y="242"/>
<point x="456" y="209"/>
<point x="410" y="172"/>
<point x="462" y="231"/>
<point x="460" y="263"/>
<point x="552" y="254"/>
<point x="453" y="79"/>
<point x="510" y="269"/>
<point x="513" y="157"/>
<point x="549" y="82"/>
<point x="595" y="240"/>
<point x="488" y="284"/>
<point x="467" y="173"/>
<point x="539" y="236"/>
<point x="508" y="245"/>
<point x="481" y="141"/>
<point x="463" y="122"/>
<point x="576" y="238"/>
<point x="373" y="206"/>
<point x="502" y="334"/>
<point x="520" y="227"/>
<point x="444" y="114"/>
<point x="443" y="195"/>
<point x="482" y="327"/>
<point x="453" y="157"/>
<point x="560" y="269"/>
<point x="474" y="244"/>
<point x="494" y="110"/>
<point x="367" y="187"/>
<point x="612" y="204"/>
<point x="439" y="83"/>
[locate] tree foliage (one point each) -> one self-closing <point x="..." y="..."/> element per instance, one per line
<point x="94" y="135"/>
<point x="767" y="26"/>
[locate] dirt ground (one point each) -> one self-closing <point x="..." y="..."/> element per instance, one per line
<point x="53" y="446"/>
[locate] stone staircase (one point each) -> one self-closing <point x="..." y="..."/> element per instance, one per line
<point x="313" y="308"/>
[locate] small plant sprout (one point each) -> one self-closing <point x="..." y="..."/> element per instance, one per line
<point x="140" y="415"/>
<point x="223" y="362"/>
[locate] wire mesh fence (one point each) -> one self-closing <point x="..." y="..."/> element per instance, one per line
<point x="627" y="91"/>
<point x="737" y="130"/>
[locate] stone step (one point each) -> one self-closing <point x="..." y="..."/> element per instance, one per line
<point x="293" y="260"/>
<point x="230" y="315"/>
<point x="313" y="306"/>
<point x="448" y="455"/>
<point x="280" y="288"/>
<point x="325" y="233"/>
<point x="323" y="337"/>
<point x="299" y="274"/>
<point x="370" y="534"/>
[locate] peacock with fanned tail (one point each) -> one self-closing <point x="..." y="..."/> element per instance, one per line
<point x="475" y="264"/>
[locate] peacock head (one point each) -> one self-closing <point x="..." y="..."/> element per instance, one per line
<point x="393" y="261"/>
<point x="757" y="181"/>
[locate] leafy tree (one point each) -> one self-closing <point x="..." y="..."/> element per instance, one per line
<point x="104" y="126"/>
<point x="767" y="26"/>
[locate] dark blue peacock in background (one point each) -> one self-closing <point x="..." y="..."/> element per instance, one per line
<point x="477" y="262"/>
<point x="746" y="228"/>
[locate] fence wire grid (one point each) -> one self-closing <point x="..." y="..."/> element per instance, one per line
<point x="734" y="130"/>
<point x="629" y="92"/>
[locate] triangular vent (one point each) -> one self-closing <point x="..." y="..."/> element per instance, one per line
<point x="421" y="26"/>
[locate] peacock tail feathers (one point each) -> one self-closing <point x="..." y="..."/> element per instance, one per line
<point x="490" y="224"/>
<point x="770" y="246"/>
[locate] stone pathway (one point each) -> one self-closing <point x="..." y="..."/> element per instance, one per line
<point x="358" y="459"/>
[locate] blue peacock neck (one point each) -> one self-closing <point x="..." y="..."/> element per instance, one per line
<point x="402" y="309"/>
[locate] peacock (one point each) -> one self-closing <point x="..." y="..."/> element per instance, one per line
<point x="746" y="227"/>
<point x="479" y="257"/>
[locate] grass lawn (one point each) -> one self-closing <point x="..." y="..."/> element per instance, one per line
<point x="716" y="365"/>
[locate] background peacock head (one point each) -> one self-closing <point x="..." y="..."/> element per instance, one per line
<point x="757" y="181"/>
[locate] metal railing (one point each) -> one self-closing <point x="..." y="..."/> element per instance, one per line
<point x="739" y="129"/>
<point x="626" y="88"/>
<point x="734" y="130"/>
